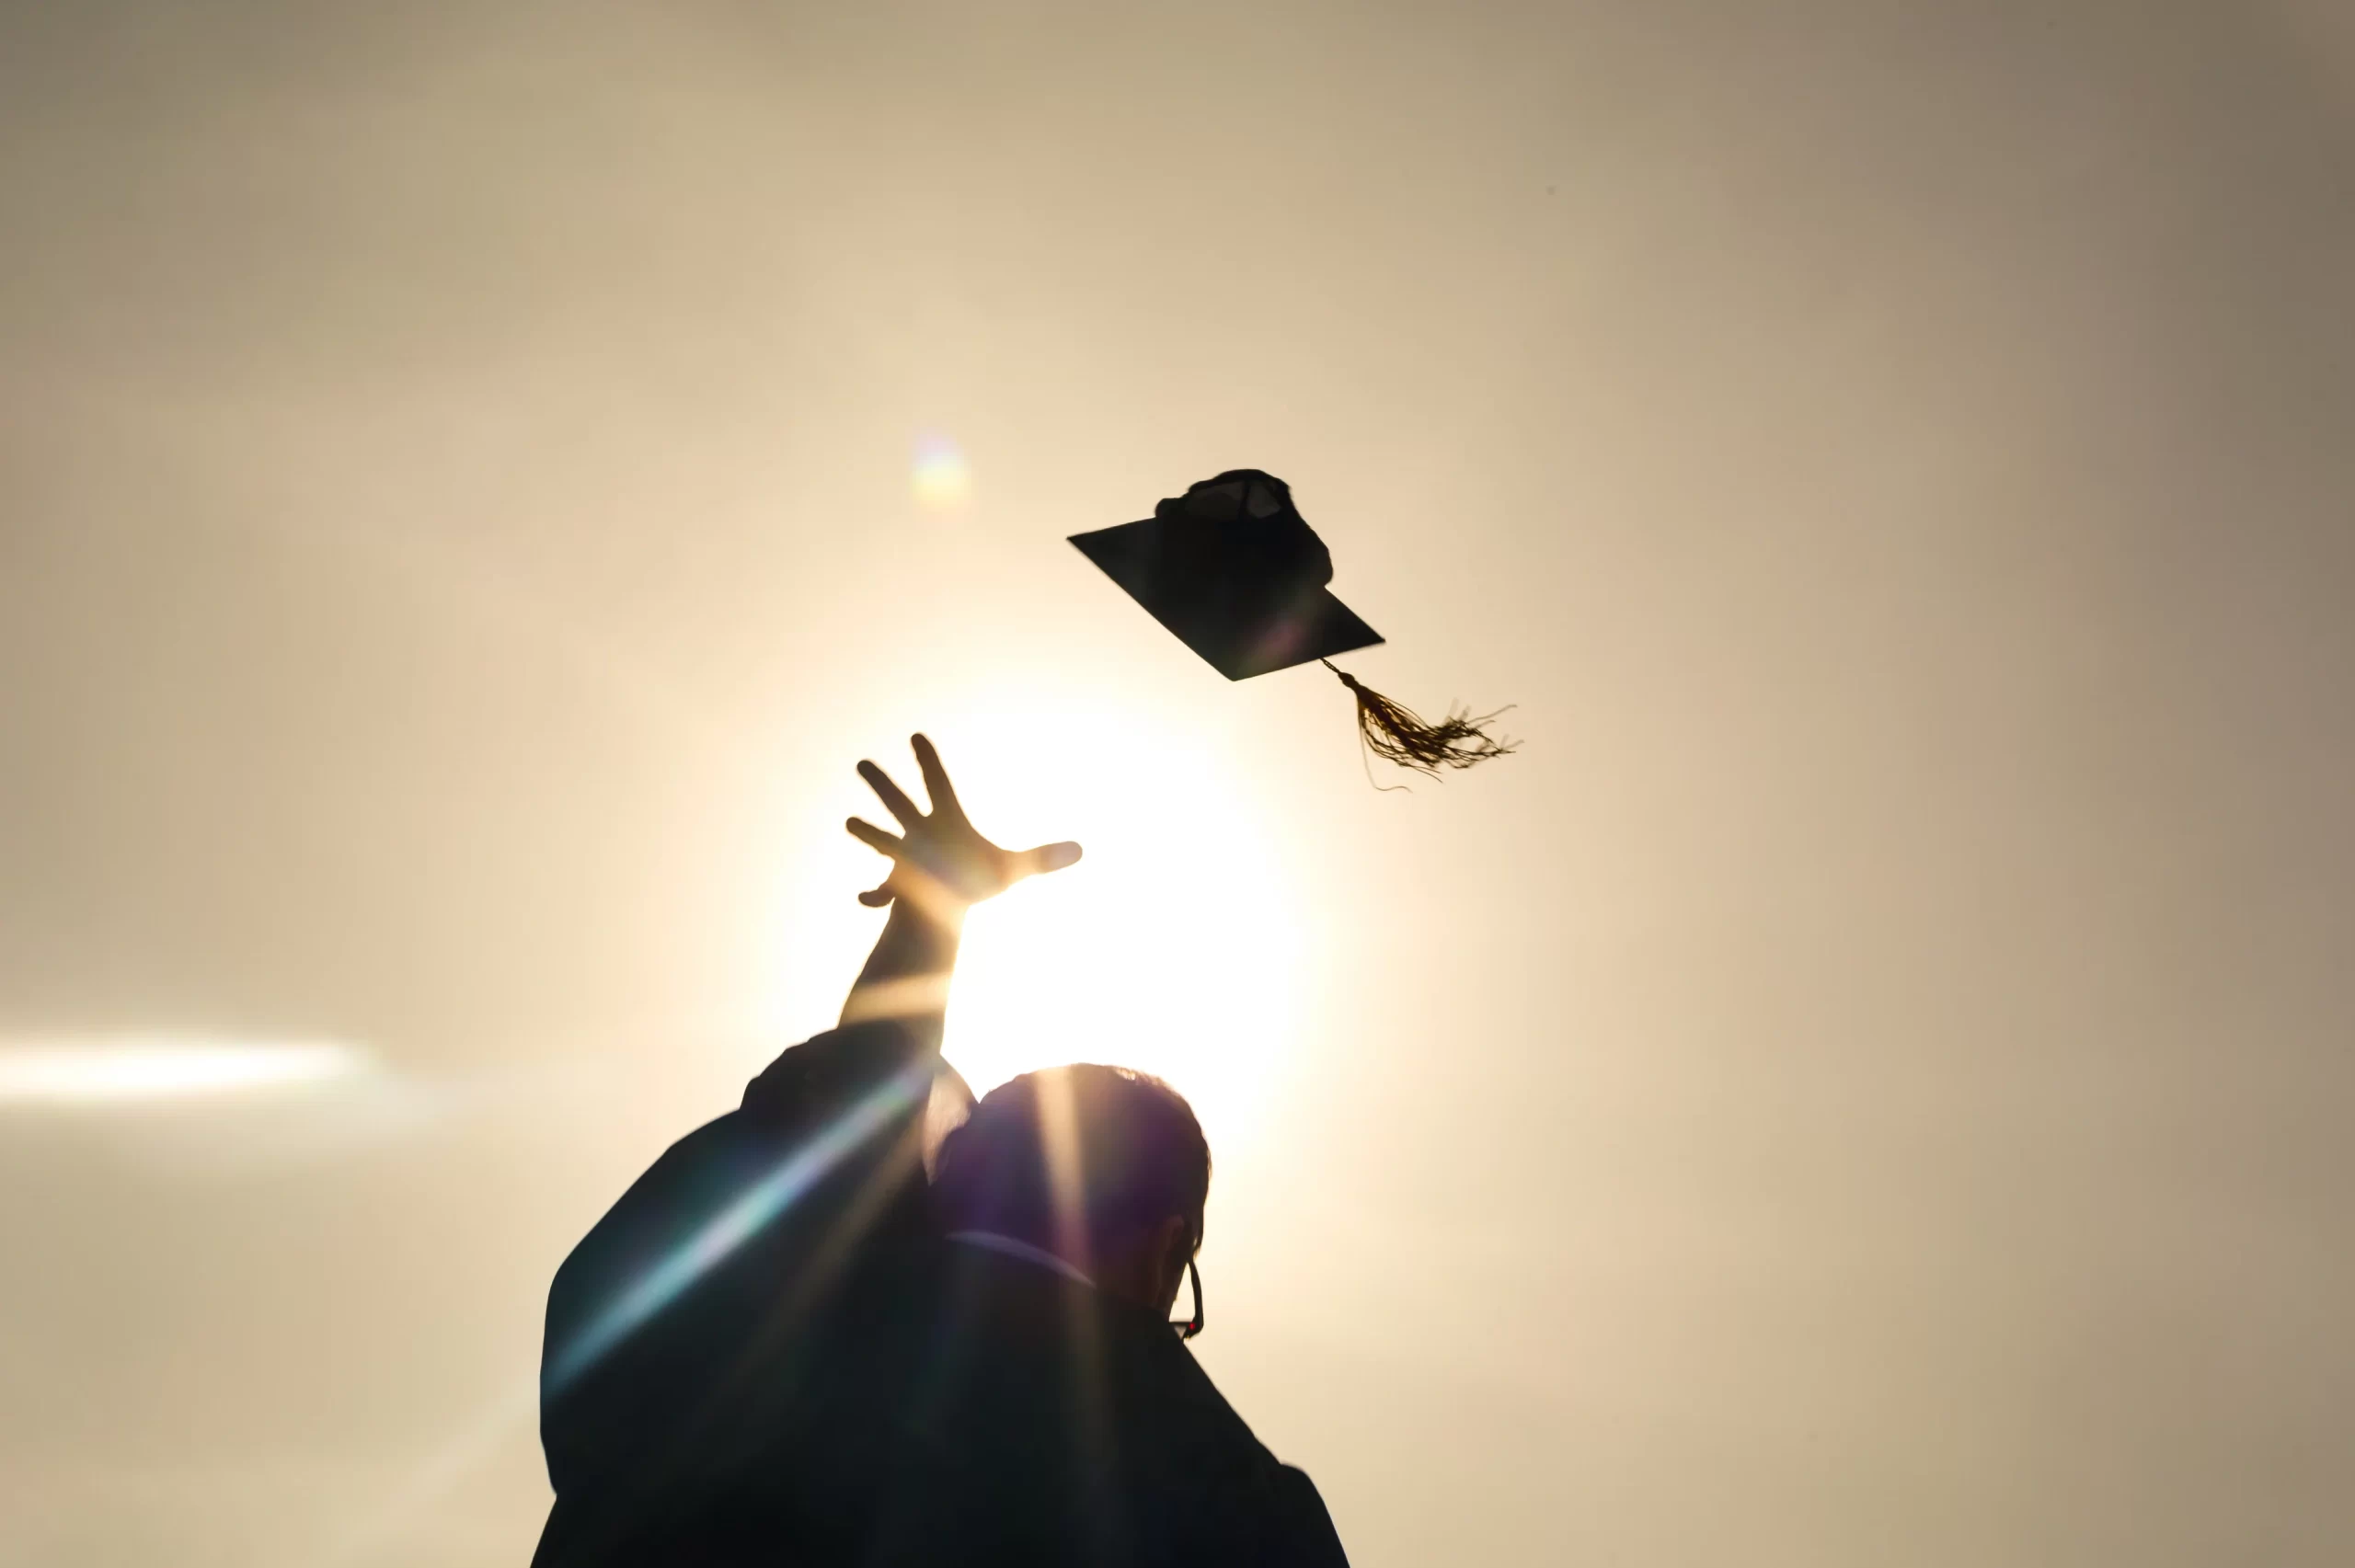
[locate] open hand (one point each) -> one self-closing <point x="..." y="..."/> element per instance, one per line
<point x="939" y="862"/>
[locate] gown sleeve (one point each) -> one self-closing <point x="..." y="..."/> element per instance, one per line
<point x="1311" y="1541"/>
<point x="703" y="1266"/>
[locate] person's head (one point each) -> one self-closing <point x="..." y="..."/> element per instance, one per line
<point x="1104" y="1167"/>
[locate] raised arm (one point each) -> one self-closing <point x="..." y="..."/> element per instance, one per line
<point x="654" y="1312"/>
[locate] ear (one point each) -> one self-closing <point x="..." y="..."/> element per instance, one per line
<point x="1172" y="1239"/>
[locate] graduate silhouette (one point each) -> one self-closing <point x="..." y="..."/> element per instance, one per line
<point x="860" y="1319"/>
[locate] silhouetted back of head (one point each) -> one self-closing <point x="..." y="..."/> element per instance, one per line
<point x="1083" y="1160"/>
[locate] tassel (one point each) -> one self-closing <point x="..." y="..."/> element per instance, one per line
<point x="1397" y="734"/>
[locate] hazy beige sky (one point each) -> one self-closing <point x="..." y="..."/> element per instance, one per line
<point x="1868" y="1083"/>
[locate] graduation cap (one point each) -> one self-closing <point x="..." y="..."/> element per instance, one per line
<point x="1236" y="573"/>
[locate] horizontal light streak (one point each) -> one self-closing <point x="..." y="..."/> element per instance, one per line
<point x="119" y="1072"/>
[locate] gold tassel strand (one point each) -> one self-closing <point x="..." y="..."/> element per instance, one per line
<point x="1396" y="733"/>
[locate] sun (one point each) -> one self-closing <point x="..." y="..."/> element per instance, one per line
<point x="1173" y="948"/>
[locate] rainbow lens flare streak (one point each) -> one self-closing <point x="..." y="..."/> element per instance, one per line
<point x="739" y="1221"/>
<point x="942" y="480"/>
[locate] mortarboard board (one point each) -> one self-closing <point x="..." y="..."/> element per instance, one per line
<point x="1235" y="572"/>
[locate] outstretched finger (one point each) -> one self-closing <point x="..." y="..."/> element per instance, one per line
<point x="875" y="838"/>
<point x="1049" y="857"/>
<point x="875" y="898"/>
<point x="936" y="777"/>
<point x="895" y="799"/>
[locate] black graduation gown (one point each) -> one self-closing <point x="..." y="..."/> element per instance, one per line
<point x="764" y="1355"/>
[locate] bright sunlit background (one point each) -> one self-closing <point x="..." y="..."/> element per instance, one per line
<point x="1867" y="1082"/>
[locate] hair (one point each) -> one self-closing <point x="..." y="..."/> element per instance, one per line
<point x="1087" y="1155"/>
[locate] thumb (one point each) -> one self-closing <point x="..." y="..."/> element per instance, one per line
<point x="1049" y="857"/>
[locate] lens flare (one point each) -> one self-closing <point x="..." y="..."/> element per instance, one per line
<point x="942" y="480"/>
<point x="743" y="1217"/>
<point x="119" y="1071"/>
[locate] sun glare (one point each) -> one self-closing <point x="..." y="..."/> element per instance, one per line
<point x="1173" y="947"/>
